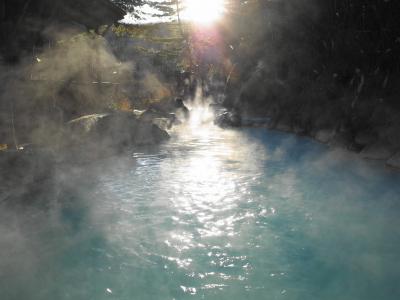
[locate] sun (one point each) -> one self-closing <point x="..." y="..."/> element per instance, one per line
<point x="203" y="11"/>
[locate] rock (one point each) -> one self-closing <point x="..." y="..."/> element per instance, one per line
<point x="114" y="130"/>
<point x="299" y="130"/>
<point x="126" y="129"/>
<point x="164" y="123"/>
<point x="393" y="134"/>
<point x="283" y="126"/>
<point x="175" y="111"/>
<point x="182" y="114"/>
<point x="377" y="151"/>
<point x="149" y="134"/>
<point x="181" y="111"/>
<point x="117" y="130"/>
<point x="365" y="138"/>
<point x="82" y="128"/>
<point x="150" y="114"/>
<point x="324" y="135"/>
<point x="355" y="147"/>
<point x="394" y="161"/>
<point x="162" y="120"/>
<point x="138" y="112"/>
<point x="342" y="140"/>
<point x="164" y="106"/>
<point x="256" y="121"/>
<point x="28" y="164"/>
<point x="228" y="119"/>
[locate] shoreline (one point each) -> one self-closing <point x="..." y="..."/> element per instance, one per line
<point x="377" y="151"/>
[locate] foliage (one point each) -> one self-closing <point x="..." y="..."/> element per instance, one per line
<point x="162" y="8"/>
<point x="161" y="43"/>
<point x="325" y="64"/>
<point x="123" y="104"/>
<point x="129" y="5"/>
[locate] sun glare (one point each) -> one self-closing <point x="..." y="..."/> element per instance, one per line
<point x="202" y="11"/>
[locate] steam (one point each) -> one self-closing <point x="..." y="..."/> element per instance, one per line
<point x="73" y="207"/>
<point x="79" y="74"/>
<point x="97" y="211"/>
<point x="201" y="113"/>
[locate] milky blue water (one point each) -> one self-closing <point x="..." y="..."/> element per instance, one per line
<point x="211" y="214"/>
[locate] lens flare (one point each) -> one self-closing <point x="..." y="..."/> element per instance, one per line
<point x="203" y="11"/>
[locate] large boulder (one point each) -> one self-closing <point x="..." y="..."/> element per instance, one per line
<point x="299" y="129"/>
<point x="25" y="166"/>
<point x="149" y="134"/>
<point x="324" y="135"/>
<point x="344" y="139"/>
<point x="114" y="130"/>
<point x="394" y="161"/>
<point x="80" y="129"/>
<point x="161" y="119"/>
<point x="283" y="125"/>
<point x="164" y="123"/>
<point x="378" y="151"/>
<point x="166" y="113"/>
<point x="150" y="114"/>
<point x="256" y="121"/>
<point x="365" y="138"/>
<point x="228" y="119"/>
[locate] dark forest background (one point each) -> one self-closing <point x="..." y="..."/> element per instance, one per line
<point x="328" y="69"/>
<point x="313" y="65"/>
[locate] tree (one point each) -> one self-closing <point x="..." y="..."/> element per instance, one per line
<point x="162" y="9"/>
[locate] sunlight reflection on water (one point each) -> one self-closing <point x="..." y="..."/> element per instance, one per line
<point x="224" y="216"/>
<point x="198" y="194"/>
<point x="212" y="214"/>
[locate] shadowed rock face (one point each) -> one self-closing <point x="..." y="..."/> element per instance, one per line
<point x="324" y="135"/>
<point x="225" y="118"/>
<point x="166" y="113"/>
<point x="316" y="70"/>
<point x="23" y="23"/>
<point x="394" y="161"/>
<point x="112" y="132"/>
<point x="84" y="140"/>
<point x="378" y="151"/>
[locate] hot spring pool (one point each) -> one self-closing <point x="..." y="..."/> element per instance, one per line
<point x="212" y="214"/>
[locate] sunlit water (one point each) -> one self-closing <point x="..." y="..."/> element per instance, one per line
<point x="211" y="214"/>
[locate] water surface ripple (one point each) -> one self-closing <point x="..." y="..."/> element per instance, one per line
<point x="212" y="214"/>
